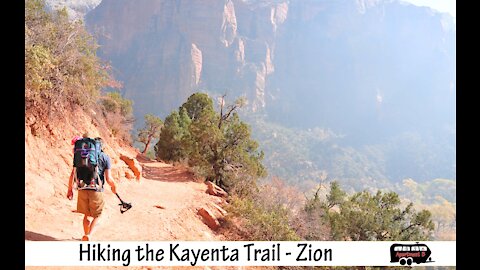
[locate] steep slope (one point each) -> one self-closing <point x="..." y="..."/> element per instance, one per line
<point x="165" y="199"/>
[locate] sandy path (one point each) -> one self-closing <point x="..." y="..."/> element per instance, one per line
<point x="165" y="202"/>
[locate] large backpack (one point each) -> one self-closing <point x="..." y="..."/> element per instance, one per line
<point x="85" y="161"/>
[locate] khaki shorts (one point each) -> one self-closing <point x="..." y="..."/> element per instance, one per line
<point x="90" y="203"/>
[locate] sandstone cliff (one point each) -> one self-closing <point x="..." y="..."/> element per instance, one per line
<point x="337" y="64"/>
<point x="166" y="50"/>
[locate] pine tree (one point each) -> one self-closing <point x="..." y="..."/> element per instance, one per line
<point x="170" y="145"/>
<point x="378" y="217"/>
<point x="151" y="131"/>
<point x="217" y="145"/>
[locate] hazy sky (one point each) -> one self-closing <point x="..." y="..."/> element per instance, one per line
<point x="440" y="5"/>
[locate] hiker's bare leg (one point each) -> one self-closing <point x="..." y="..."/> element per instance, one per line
<point x="86" y="225"/>
<point x="92" y="225"/>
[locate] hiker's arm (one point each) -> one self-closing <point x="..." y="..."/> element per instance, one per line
<point x="70" y="185"/>
<point x="108" y="178"/>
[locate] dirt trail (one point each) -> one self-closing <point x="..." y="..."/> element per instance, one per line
<point x="165" y="200"/>
<point x="165" y="204"/>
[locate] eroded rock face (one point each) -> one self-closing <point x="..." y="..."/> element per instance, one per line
<point x="166" y="50"/>
<point x="76" y="9"/>
<point x="327" y="59"/>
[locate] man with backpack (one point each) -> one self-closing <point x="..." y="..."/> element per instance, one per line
<point x="91" y="168"/>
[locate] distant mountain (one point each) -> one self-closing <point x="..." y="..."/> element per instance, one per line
<point x="368" y="69"/>
<point x="377" y="72"/>
<point x="354" y="66"/>
<point x="76" y="8"/>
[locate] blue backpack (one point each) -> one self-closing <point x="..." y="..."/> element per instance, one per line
<point x="85" y="161"/>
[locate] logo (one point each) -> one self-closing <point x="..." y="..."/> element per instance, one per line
<point x="410" y="253"/>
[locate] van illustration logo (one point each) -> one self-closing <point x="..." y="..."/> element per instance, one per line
<point x="410" y="253"/>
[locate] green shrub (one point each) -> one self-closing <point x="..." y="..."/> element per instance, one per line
<point x="61" y="67"/>
<point x="261" y="223"/>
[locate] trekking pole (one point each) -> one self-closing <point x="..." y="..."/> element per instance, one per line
<point x="124" y="206"/>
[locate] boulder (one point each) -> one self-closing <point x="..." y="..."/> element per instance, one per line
<point x="133" y="165"/>
<point x="209" y="219"/>
<point x="219" y="209"/>
<point x="215" y="190"/>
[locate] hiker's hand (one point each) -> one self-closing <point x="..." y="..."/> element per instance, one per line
<point x="114" y="189"/>
<point x="70" y="194"/>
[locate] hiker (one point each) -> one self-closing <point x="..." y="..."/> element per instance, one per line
<point x="90" y="195"/>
